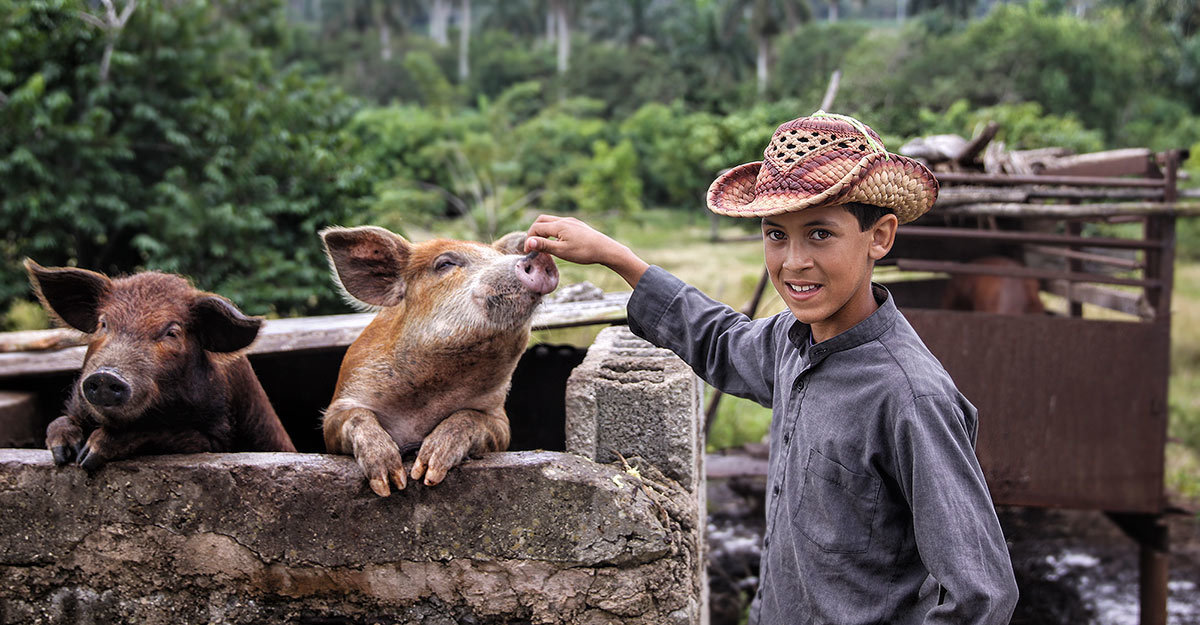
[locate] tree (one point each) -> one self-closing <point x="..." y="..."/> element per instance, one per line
<point x="767" y="19"/>
<point x="197" y="155"/>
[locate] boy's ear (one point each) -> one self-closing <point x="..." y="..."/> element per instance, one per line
<point x="70" y="294"/>
<point x="368" y="261"/>
<point x="511" y="243"/>
<point x="220" y="327"/>
<point x="883" y="236"/>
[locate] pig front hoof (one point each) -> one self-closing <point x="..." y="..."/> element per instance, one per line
<point x="93" y="455"/>
<point x="380" y="461"/>
<point x="438" y="455"/>
<point x="63" y="454"/>
<point x="64" y="440"/>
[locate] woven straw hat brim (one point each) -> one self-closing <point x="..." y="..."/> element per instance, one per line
<point x="890" y="181"/>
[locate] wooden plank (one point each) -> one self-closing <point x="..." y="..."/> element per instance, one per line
<point x="319" y="333"/>
<point x="1084" y="181"/>
<point x="1123" y="162"/>
<point x="1018" y="272"/>
<point x="1020" y="236"/>
<point x="1126" y="302"/>
<point x="1060" y="211"/>
<point x="1101" y="259"/>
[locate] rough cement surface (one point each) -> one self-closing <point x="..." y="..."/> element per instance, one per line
<point x="635" y="399"/>
<point x="528" y="537"/>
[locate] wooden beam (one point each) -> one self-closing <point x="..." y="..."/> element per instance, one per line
<point x="1021" y="236"/>
<point x="317" y="333"/>
<point x="1121" y="301"/>
<point x="1018" y="272"/>
<point x="1082" y="181"/>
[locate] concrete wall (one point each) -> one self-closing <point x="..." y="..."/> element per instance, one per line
<point x="519" y="537"/>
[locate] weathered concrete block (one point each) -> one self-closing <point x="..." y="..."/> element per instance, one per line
<point x="527" y="537"/>
<point x="635" y="399"/>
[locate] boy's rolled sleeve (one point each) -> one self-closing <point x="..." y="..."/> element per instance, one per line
<point x="958" y="536"/>
<point x="724" y="347"/>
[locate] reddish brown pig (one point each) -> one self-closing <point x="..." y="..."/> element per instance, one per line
<point x="433" y="368"/>
<point x="162" y="373"/>
<point x="995" y="294"/>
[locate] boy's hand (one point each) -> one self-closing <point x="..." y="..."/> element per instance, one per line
<point x="574" y="241"/>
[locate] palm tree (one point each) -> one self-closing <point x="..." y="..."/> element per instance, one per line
<point x="767" y="19"/>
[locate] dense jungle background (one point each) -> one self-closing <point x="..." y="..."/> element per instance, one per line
<point x="214" y="139"/>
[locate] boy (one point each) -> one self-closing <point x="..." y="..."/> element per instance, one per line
<point x="877" y="511"/>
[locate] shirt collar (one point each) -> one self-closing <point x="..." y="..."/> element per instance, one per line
<point x="866" y="331"/>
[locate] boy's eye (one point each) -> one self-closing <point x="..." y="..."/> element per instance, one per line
<point x="820" y="235"/>
<point x="776" y="235"/>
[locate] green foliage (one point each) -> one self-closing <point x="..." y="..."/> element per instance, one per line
<point x="24" y="315"/>
<point x="1022" y="126"/>
<point x="609" y="182"/>
<point x="195" y="155"/>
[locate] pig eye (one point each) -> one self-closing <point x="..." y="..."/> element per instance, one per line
<point x="103" y="325"/>
<point x="172" y="331"/>
<point x="445" y="262"/>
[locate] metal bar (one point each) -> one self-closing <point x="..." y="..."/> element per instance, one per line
<point x="710" y="413"/>
<point x="1017" y="272"/>
<point x="1075" y="229"/>
<point x="1152" y="537"/>
<point x="1085" y="256"/>
<point x="1017" y="236"/>
<point x="1083" y="181"/>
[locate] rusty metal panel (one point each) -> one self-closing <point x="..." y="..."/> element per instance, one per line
<point x="1072" y="412"/>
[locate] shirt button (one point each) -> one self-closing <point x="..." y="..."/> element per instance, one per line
<point x="820" y="351"/>
<point x="787" y="438"/>
<point x="799" y="385"/>
<point x="776" y="489"/>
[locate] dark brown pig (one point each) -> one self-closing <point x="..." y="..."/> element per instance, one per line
<point x="162" y="373"/>
<point x="1004" y="295"/>
<point x="432" y="369"/>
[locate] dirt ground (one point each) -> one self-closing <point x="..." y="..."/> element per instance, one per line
<point x="1071" y="566"/>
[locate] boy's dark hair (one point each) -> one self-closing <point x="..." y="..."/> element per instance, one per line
<point x="866" y="214"/>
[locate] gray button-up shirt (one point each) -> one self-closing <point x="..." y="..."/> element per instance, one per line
<point x="877" y="510"/>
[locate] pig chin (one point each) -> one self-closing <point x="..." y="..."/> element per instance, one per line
<point x="510" y="308"/>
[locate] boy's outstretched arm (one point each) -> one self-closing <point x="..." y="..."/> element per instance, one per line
<point x="574" y="241"/>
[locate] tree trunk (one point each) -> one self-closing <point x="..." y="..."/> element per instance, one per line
<point x="439" y="16"/>
<point x="564" y="37"/>
<point x="385" y="41"/>
<point x="901" y="10"/>
<point x="833" y="11"/>
<point x="764" y="53"/>
<point x="464" y="41"/>
<point x="551" y="23"/>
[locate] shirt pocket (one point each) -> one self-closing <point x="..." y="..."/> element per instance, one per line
<point x="837" y="507"/>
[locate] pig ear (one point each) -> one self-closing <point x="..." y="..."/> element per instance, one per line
<point x="73" y="295"/>
<point x="368" y="261"/>
<point x="511" y="243"/>
<point x="220" y="327"/>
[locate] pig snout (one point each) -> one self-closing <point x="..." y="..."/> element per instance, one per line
<point x="538" y="273"/>
<point x="106" y="389"/>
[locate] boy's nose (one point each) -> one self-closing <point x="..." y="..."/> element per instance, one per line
<point x="796" y="261"/>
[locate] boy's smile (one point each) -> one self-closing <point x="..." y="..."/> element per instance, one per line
<point x="820" y="262"/>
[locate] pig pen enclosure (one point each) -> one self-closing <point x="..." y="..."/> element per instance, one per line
<point x="533" y="535"/>
<point x="1072" y="416"/>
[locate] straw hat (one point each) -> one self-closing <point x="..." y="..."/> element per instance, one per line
<point x="824" y="160"/>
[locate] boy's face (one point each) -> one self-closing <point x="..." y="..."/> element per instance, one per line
<point x="820" y="262"/>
